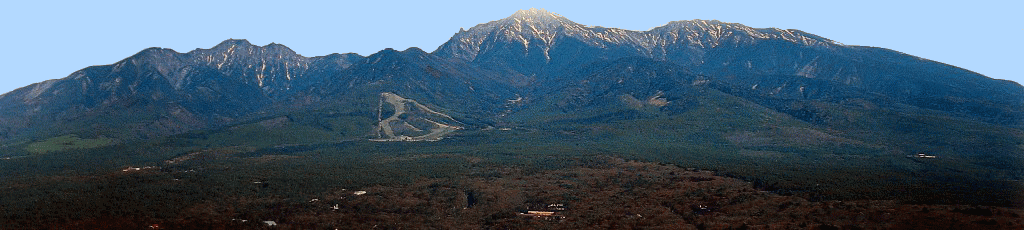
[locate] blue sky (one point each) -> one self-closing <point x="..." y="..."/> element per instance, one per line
<point x="51" y="39"/>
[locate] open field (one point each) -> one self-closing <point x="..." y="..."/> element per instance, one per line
<point x="66" y="142"/>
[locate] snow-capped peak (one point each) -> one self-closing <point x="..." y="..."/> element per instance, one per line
<point x="532" y="26"/>
<point x="538" y="29"/>
<point x="535" y="13"/>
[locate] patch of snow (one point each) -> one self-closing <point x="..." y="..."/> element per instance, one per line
<point x="287" y="72"/>
<point x="260" y="75"/>
<point x="517" y="100"/>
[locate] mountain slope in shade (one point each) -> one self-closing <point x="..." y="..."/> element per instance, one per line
<point x="159" y="91"/>
<point x="426" y="78"/>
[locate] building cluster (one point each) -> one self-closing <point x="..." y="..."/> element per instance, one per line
<point x="921" y="155"/>
<point x="547" y="212"/>
<point x="131" y="169"/>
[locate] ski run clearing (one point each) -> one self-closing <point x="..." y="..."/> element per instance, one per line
<point x="396" y="127"/>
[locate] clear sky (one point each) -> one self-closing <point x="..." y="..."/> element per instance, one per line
<point x="44" y="40"/>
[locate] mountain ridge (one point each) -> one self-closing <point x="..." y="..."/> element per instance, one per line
<point x="516" y="55"/>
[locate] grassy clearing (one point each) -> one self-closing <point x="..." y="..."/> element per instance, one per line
<point x="66" y="142"/>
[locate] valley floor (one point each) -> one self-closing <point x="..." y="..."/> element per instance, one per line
<point x="449" y="191"/>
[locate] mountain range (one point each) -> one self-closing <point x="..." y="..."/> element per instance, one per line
<point x="697" y="82"/>
<point x="531" y="54"/>
<point x="530" y="121"/>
